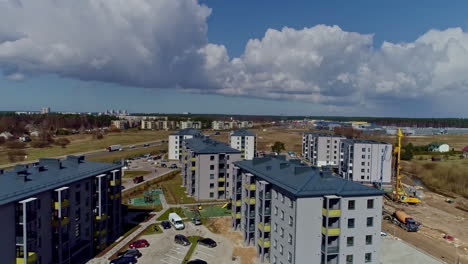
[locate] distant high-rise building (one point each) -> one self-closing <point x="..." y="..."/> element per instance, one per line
<point x="45" y="110"/>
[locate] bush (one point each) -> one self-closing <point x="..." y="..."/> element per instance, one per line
<point x="15" y="145"/>
<point x="39" y="144"/>
<point x="16" y="155"/>
<point x="62" y="132"/>
<point x="98" y="135"/>
<point x="2" y="140"/>
<point x="63" y="142"/>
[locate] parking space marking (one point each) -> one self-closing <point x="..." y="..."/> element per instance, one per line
<point x="173" y="257"/>
<point x="199" y="251"/>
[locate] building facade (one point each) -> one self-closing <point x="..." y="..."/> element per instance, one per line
<point x="245" y="141"/>
<point x="190" y="124"/>
<point x="207" y="168"/>
<point x="59" y="211"/>
<point x="224" y="125"/>
<point x="322" y="149"/>
<point x="366" y="161"/>
<point x="120" y="124"/>
<point x="292" y="213"/>
<point x="176" y="139"/>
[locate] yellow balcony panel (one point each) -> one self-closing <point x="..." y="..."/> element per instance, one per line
<point x="331" y="231"/>
<point x="193" y="159"/>
<point x="114" y="183"/>
<point x="251" y="187"/>
<point x="101" y="217"/>
<point x="250" y="201"/>
<point x="264" y="227"/>
<point x="221" y="179"/>
<point x="238" y="215"/>
<point x="264" y="243"/>
<point x="331" y="213"/>
<point x="185" y="161"/>
<point x="65" y="220"/>
<point x="32" y="257"/>
<point x="194" y="168"/>
<point x="65" y="203"/>
<point x="238" y="203"/>
<point x="221" y="188"/>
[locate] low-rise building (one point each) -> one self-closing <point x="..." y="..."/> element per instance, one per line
<point x="322" y="149"/>
<point x="190" y="124"/>
<point x="120" y="124"/>
<point x="59" y="211"/>
<point x="221" y="125"/>
<point x="366" y="161"/>
<point x="207" y="168"/>
<point x="245" y="141"/>
<point x="176" y="140"/>
<point x="293" y="213"/>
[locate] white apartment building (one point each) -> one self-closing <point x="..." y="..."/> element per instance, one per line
<point x="322" y="149"/>
<point x="190" y="124"/>
<point x="176" y="139"/>
<point x="245" y="141"/>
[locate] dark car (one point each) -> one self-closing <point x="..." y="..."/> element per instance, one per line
<point x="173" y="166"/>
<point x="139" y="244"/>
<point x="164" y="165"/>
<point x="196" y="221"/>
<point x="181" y="239"/>
<point x="166" y="224"/>
<point x="207" y="242"/>
<point x="124" y="260"/>
<point x="146" y="145"/>
<point x="217" y="133"/>
<point x="130" y="253"/>
<point x="197" y="261"/>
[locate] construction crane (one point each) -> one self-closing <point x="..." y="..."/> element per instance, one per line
<point x="400" y="193"/>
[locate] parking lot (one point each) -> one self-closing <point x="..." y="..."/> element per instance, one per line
<point x="164" y="250"/>
<point x="143" y="164"/>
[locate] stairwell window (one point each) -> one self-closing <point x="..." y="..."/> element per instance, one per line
<point x="350" y="241"/>
<point x="349" y="259"/>
<point x="351" y="204"/>
<point x="351" y="223"/>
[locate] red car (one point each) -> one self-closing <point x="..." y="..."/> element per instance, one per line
<point x="140" y="243"/>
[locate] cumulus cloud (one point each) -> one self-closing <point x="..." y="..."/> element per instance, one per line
<point x="163" y="44"/>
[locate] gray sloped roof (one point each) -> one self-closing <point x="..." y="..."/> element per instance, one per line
<point x="304" y="181"/>
<point x="188" y="131"/>
<point x="48" y="174"/>
<point x="243" y="133"/>
<point x="203" y="145"/>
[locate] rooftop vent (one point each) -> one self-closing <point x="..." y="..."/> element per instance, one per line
<point x="268" y="168"/>
<point x="284" y="165"/>
<point x="51" y="163"/>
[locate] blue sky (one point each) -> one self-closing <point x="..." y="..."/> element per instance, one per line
<point x="232" y="24"/>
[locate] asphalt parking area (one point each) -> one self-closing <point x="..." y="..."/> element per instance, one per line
<point x="175" y="255"/>
<point x="205" y="253"/>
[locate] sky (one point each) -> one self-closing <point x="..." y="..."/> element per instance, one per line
<point x="368" y="58"/>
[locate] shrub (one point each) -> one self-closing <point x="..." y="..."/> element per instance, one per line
<point x="16" y="155"/>
<point x="63" y="142"/>
<point x="15" y="145"/>
<point x="39" y="144"/>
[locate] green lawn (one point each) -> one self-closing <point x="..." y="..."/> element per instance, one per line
<point x="194" y="241"/>
<point x="119" y="155"/>
<point x="85" y="143"/>
<point x="132" y="174"/>
<point x="174" y="193"/>
<point x="151" y="230"/>
<point x="165" y="215"/>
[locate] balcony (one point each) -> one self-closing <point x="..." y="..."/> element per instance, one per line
<point x="184" y="161"/>
<point x="268" y="195"/>
<point x="114" y="196"/>
<point x="331" y="213"/>
<point x="193" y="168"/>
<point x="265" y="243"/>
<point x="236" y="215"/>
<point x="222" y="179"/>
<point x="330" y="249"/>
<point x="267" y="211"/>
<point x="221" y="188"/>
<point x="65" y="203"/>
<point x="193" y="159"/>
<point x="251" y="187"/>
<point x="331" y="231"/>
<point x="114" y="183"/>
<point x="238" y="203"/>
<point x="32" y="257"/>
<point x="264" y="227"/>
<point x="65" y="220"/>
<point x="249" y="201"/>
<point x="101" y="217"/>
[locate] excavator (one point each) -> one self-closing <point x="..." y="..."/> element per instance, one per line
<point x="400" y="193"/>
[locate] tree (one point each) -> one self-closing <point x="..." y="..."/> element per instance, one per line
<point x="16" y="155"/>
<point x="15" y="145"/>
<point x="408" y="152"/>
<point x="98" y="135"/>
<point x="39" y="144"/>
<point x="63" y="142"/>
<point x="277" y="147"/>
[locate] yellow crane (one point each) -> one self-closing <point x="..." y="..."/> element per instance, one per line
<point x="400" y="193"/>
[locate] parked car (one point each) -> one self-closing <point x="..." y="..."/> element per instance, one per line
<point x="138" y="179"/>
<point x="130" y="253"/>
<point x="217" y="133"/>
<point x="164" y="165"/>
<point x="146" y="145"/>
<point x="181" y="239"/>
<point x="124" y="260"/>
<point x="196" y="221"/>
<point x="207" y="242"/>
<point x="173" y="166"/>
<point x="139" y="244"/>
<point x="166" y="224"/>
<point x="132" y="146"/>
<point x="197" y="261"/>
<point x="176" y="220"/>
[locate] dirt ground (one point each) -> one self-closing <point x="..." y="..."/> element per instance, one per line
<point x="222" y="226"/>
<point x="438" y="218"/>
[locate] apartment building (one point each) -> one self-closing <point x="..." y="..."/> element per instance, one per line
<point x="207" y="168"/>
<point x="293" y="213"/>
<point x="221" y="125"/>
<point x="190" y="124"/>
<point x="366" y="161"/>
<point x="59" y="211"/>
<point x="120" y="124"/>
<point x="322" y="149"/>
<point x="176" y="139"/>
<point x="158" y="124"/>
<point x="245" y="141"/>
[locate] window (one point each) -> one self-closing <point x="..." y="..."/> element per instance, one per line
<point x="275" y="227"/>
<point x="211" y="195"/>
<point x="282" y="232"/>
<point x="275" y="243"/>
<point x="211" y="167"/>
<point x="363" y="170"/>
<point x="351" y="204"/>
<point x="370" y="204"/>
<point x="363" y="156"/>
<point x="368" y="257"/>
<point x="363" y="163"/>
<point x="291" y="204"/>
<point x="349" y="259"/>
<point x="369" y="240"/>
<point x="351" y="223"/>
<point x="276" y="210"/>
<point x="363" y="149"/>
<point x="290" y="220"/>
<point x="282" y="215"/>
<point x="370" y="221"/>
<point x="77" y="197"/>
<point x="362" y="177"/>
<point x="211" y="157"/>
<point x="276" y="195"/>
<point x="282" y="197"/>
<point x="350" y="241"/>
<point x="289" y="257"/>
<point x="211" y="176"/>
<point x="290" y="239"/>
<point x="211" y="185"/>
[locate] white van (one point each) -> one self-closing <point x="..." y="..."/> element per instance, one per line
<point x="176" y="221"/>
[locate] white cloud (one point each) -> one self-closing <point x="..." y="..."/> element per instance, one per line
<point x="15" y="76"/>
<point x="163" y="44"/>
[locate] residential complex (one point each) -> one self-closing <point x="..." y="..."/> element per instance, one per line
<point x="298" y="214"/>
<point x="176" y="139"/>
<point x="366" y="161"/>
<point x="159" y="124"/>
<point x="190" y="124"/>
<point x="322" y="149"/>
<point x="207" y="166"/>
<point x="59" y="211"/>
<point x="224" y="125"/>
<point x="245" y="141"/>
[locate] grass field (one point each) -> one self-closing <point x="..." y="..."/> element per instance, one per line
<point x="454" y="141"/>
<point x="132" y="174"/>
<point x="86" y="143"/>
<point x="174" y="193"/>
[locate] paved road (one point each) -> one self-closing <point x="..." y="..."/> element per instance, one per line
<point x="143" y="165"/>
